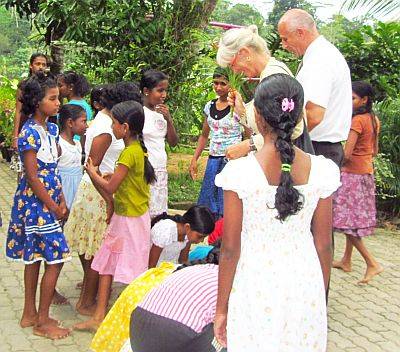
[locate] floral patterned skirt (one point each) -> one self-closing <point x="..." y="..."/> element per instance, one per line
<point x="354" y="209"/>
<point x="86" y="224"/>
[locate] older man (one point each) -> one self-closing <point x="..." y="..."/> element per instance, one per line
<point x="326" y="81"/>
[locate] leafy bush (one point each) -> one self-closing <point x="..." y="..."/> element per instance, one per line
<point x="388" y="165"/>
<point x="8" y="90"/>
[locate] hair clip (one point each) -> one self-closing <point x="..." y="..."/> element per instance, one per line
<point x="146" y="155"/>
<point x="286" y="167"/>
<point x="287" y="104"/>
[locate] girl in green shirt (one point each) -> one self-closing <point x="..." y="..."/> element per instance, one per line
<point x="124" y="252"/>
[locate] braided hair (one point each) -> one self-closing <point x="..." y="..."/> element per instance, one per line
<point x="132" y="113"/>
<point x="364" y="89"/>
<point x="34" y="90"/>
<point x="200" y="219"/>
<point x="270" y="97"/>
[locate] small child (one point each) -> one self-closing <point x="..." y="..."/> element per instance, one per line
<point x="225" y="131"/>
<point x="72" y="120"/>
<point x="172" y="236"/>
<point x="35" y="233"/>
<point x="158" y="127"/>
<point x="124" y="252"/>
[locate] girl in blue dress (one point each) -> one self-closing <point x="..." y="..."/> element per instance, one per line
<point x="35" y="233"/>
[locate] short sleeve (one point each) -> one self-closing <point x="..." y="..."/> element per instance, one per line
<point x="29" y="139"/>
<point x="328" y="175"/>
<point x="206" y="110"/>
<point x="127" y="158"/>
<point x="317" y="84"/>
<point x="233" y="177"/>
<point x="163" y="233"/>
<point x="102" y="127"/>
<point x="356" y="124"/>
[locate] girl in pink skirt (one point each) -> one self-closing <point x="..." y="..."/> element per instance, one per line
<point x="124" y="252"/>
<point x="354" y="203"/>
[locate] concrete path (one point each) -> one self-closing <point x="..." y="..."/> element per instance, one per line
<point x="361" y="318"/>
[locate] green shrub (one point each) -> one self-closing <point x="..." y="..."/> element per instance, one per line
<point x="388" y="165"/>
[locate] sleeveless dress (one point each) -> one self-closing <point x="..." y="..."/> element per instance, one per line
<point x="285" y="309"/>
<point x="34" y="233"/>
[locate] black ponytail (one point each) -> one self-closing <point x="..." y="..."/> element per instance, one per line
<point x="149" y="173"/>
<point x="279" y="100"/>
<point x="200" y="219"/>
<point x="132" y="113"/>
<point x="80" y="85"/>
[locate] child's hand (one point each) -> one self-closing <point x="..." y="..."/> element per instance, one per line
<point x="109" y="211"/>
<point x="193" y="169"/>
<point x="61" y="213"/>
<point x="163" y="109"/>
<point x="90" y="168"/>
<point x="64" y="210"/>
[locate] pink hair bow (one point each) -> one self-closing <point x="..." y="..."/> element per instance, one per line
<point x="287" y="104"/>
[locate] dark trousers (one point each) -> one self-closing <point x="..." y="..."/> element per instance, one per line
<point x="333" y="151"/>
<point x="152" y="333"/>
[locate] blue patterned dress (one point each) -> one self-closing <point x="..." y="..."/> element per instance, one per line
<point x="34" y="233"/>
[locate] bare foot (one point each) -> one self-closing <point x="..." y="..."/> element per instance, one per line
<point x="59" y="299"/>
<point x="27" y="322"/>
<point x="50" y="331"/>
<point x="339" y="264"/>
<point x="86" y="310"/>
<point x="79" y="285"/>
<point x="89" y="325"/>
<point x="370" y="273"/>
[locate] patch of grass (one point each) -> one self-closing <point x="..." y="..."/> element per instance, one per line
<point x="182" y="189"/>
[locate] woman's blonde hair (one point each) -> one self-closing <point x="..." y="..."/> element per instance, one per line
<point x="235" y="39"/>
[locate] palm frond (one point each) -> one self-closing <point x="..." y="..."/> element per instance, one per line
<point x="375" y="7"/>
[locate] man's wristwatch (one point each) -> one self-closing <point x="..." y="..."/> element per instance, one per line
<point x="252" y="145"/>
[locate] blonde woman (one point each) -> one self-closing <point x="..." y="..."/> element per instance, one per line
<point x="244" y="51"/>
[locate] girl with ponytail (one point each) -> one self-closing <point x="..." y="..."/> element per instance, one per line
<point x="354" y="209"/>
<point x="124" y="252"/>
<point x="172" y="236"/>
<point x="158" y="127"/>
<point x="277" y="234"/>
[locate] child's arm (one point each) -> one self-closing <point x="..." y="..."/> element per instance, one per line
<point x="154" y="256"/>
<point x="31" y="168"/>
<point x="230" y="254"/>
<point x="108" y="186"/>
<point x="184" y="255"/>
<point x="172" y="136"/>
<point x="201" y="144"/>
<point x="321" y="228"/>
<point x="349" y="146"/>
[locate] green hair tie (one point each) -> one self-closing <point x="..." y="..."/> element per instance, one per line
<point x="286" y="167"/>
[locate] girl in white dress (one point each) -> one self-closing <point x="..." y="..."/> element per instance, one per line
<point x="276" y="249"/>
<point x="158" y="128"/>
<point x="72" y="122"/>
<point x="172" y="236"/>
